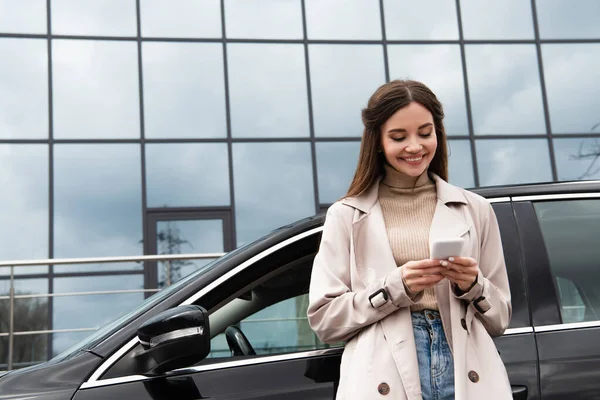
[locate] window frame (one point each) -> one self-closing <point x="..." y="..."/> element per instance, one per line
<point x="544" y="297"/>
<point x="214" y="288"/>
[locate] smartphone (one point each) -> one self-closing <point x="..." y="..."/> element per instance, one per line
<point x="442" y="249"/>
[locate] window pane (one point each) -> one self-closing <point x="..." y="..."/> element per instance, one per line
<point x="440" y="68"/>
<point x="343" y="19"/>
<point x="404" y="20"/>
<point x="491" y="19"/>
<point x="184" y="90"/>
<point x="573" y="103"/>
<point x="181" y="18"/>
<point x="24" y="216"/>
<point x="22" y="286"/>
<point x="72" y="312"/>
<point x="190" y="174"/>
<point x="95" y="89"/>
<point x="577" y="158"/>
<point x="185" y="237"/>
<point x="273" y="186"/>
<point x="23" y="16"/>
<point x="336" y="164"/>
<point x="267" y="90"/>
<point x="28" y="350"/>
<point x="460" y="163"/>
<point x="94" y="17"/>
<point x="97" y="200"/>
<point x="264" y="19"/>
<point x="571" y="230"/>
<point x="504" y="83"/>
<point x="565" y="19"/>
<point x="24" y="89"/>
<point x="281" y="328"/>
<point x="512" y="161"/>
<point x="343" y="77"/>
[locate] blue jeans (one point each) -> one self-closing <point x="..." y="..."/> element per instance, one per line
<point x="436" y="366"/>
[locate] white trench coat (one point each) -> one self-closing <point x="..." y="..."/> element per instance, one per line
<point x="355" y="261"/>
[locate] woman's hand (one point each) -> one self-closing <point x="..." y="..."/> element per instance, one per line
<point x="462" y="271"/>
<point x="420" y="275"/>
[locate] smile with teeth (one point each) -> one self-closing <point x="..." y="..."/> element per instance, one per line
<point x="413" y="160"/>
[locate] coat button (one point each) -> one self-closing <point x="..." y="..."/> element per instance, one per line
<point x="463" y="322"/>
<point x="473" y="376"/>
<point x="383" y="388"/>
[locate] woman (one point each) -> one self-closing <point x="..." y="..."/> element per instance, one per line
<point x="415" y="327"/>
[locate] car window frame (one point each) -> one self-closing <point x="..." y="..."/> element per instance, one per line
<point x="95" y="381"/>
<point x="544" y="298"/>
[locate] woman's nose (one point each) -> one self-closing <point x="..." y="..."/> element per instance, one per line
<point x="414" y="147"/>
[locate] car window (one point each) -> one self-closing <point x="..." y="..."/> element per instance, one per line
<point x="571" y="231"/>
<point x="279" y="328"/>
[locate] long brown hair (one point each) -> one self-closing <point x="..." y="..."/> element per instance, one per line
<point x="386" y="100"/>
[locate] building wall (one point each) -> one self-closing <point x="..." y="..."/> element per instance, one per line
<point x="131" y="127"/>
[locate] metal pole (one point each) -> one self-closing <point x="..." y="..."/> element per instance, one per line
<point x="11" y="318"/>
<point x="168" y="262"/>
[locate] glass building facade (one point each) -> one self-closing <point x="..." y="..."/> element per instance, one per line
<point x="132" y="127"/>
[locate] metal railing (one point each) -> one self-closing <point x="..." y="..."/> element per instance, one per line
<point x="80" y="261"/>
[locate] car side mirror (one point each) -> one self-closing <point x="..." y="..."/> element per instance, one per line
<point x="176" y="338"/>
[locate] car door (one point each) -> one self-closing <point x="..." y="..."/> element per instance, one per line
<point x="561" y="241"/>
<point x="517" y="345"/>
<point x="264" y="300"/>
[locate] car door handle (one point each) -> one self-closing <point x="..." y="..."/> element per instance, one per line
<point x="519" y="392"/>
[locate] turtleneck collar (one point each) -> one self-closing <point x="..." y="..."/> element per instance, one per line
<point x="399" y="180"/>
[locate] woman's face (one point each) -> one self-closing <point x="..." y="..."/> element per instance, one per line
<point x="408" y="140"/>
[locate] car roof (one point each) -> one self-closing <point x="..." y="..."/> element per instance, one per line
<point x="532" y="189"/>
<point x="539" y="189"/>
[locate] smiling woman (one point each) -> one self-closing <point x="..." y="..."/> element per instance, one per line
<point x="376" y="283"/>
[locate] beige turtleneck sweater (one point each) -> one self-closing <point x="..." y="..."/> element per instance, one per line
<point x="408" y="211"/>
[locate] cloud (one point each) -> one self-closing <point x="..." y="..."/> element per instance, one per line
<point x="568" y="166"/>
<point x="343" y="77"/>
<point x="95" y="89"/>
<point x="264" y="19"/>
<point x="97" y="200"/>
<point x="564" y="19"/>
<point x="24" y="222"/>
<point x="24" y="89"/>
<point x="572" y="76"/>
<point x="460" y="163"/>
<point x="23" y="16"/>
<point x="267" y="84"/>
<point x="94" y="17"/>
<point x="273" y="186"/>
<point x="341" y="19"/>
<point x="421" y="20"/>
<point x="509" y="19"/>
<point x="512" y="161"/>
<point x="181" y="18"/>
<point x="504" y="83"/>
<point x="184" y="90"/>
<point x="336" y="164"/>
<point x="190" y="174"/>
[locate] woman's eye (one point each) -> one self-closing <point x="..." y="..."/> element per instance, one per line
<point x="425" y="135"/>
<point x="398" y="139"/>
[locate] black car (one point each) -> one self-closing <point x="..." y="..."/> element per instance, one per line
<point x="162" y="350"/>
